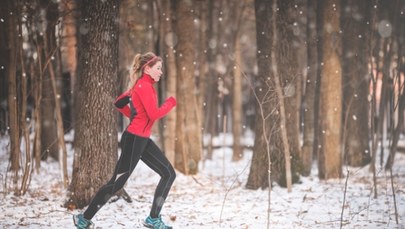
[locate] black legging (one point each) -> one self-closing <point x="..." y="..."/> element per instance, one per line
<point x="133" y="149"/>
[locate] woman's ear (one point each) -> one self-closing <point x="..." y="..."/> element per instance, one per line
<point x="146" y="69"/>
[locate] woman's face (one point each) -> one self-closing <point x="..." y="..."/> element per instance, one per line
<point x="155" y="71"/>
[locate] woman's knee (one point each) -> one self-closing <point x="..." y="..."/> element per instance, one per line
<point x="173" y="174"/>
<point x="170" y="174"/>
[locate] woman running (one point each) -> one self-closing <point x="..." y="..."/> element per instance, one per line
<point x="140" y="105"/>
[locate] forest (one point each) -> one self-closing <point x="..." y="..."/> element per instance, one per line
<point x="298" y="89"/>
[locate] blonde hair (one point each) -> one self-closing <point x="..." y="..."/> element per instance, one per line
<point x="138" y="65"/>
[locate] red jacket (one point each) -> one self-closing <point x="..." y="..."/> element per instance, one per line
<point x="140" y="104"/>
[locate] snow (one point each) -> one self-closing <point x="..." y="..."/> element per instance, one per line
<point x="217" y="198"/>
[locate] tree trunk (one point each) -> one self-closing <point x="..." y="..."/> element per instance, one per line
<point x="62" y="154"/>
<point x="237" y="103"/>
<point x="398" y="109"/>
<point x="355" y="75"/>
<point x="308" y="106"/>
<point x="12" y="48"/>
<point x="397" y="130"/>
<point x="37" y="111"/>
<point x="202" y="57"/>
<point x="25" y="127"/>
<point x="49" y="140"/>
<point x="188" y="147"/>
<point x="234" y="19"/>
<point x="95" y="140"/>
<point x="169" y="39"/>
<point x="277" y="98"/>
<point x="49" y="144"/>
<point x="211" y="89"/>
<point x="261" y="167"/>
<point x="286" y="80"/>
<point x="330" y="155"/>
<point x="69" y="59"/>
<point x="69" y="37"/>
<point x="4" y="27"/>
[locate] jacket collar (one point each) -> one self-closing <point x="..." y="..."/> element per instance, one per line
<point x="147" y="78"/>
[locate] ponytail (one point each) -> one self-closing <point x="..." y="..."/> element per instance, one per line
<point x="138" y="65"/>
<point x="134" y="72"/>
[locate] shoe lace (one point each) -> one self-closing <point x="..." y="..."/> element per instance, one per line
<point x="159" y="223"/>
<point x="83" y="223"/>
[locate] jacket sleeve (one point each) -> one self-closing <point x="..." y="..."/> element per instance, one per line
<point x="122" y="104"/>
<point x="148" y="98"/>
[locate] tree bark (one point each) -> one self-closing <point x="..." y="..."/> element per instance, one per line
<point x="202" y="57"/>
<point x="25" y="126"/>
<point x="211" y="89"/>
<point x="330" y="155"/>
<point x="188" y="146"/>
<point x="169" y="41"/>
<point x="49" y="140"/>
<point x="95" y="140"/>
<point x="235" y="19"/>
<point x="398" y="107"/>
<point x="260" y="174"/>
<point x="355" y="76"/>
<point x="12" y="48"/>
<point x="307" y="151"/>
<point x="237" y="103"/>
<point x="69" y="59"/>
<point x="4" y="12"/>
<point x="286" y="80"/>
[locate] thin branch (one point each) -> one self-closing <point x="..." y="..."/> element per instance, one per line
<point x="228" y="190"/>
<point x="393" y="196"/>
<point x="267" y="140"/>
<point x="281" y="102"/>
<point x="344" y="200"/>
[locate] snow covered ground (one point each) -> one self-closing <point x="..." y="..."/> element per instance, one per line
<point x="217" y="198"/>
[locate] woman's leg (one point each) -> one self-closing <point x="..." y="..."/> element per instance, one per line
<point x="132" y="148"/>
<point x="156" y="160"/>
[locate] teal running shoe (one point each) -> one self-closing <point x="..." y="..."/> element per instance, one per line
<point x="82" y="223"/>
<point x="155" y="223"/>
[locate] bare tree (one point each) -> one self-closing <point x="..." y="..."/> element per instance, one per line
<point x="168" y="40"/>
<point x="14" y="131"/>
<point x="277" y="98"/>
<point x="398" y="89"/>
<point x="260" y="169"/>
<point x="237" y="103"/>
<point x="17" y="85"/>
<point x="95" y="140"/>
<point x="329" y="158"/>
<point x="188" y="124"/>
<point x="12" y="49"/>
<point x="236" y="17"/>
<point x="201" y="56"/>
<point x="48" y="46"/>
<point x="24" y="125"/>
<point x="308" y="107"/>
<point x="211" y="121"/>
<point x="355" y="77"/>
<point x="286" y="84"/>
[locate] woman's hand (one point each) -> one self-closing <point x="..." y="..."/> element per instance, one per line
<point x="171" y="100"/>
